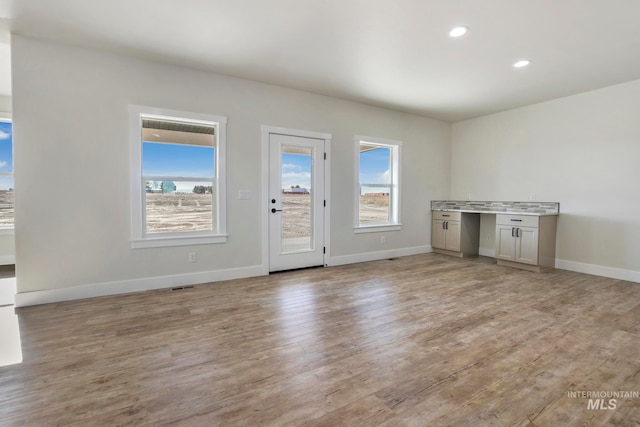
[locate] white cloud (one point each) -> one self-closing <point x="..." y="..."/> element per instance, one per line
<point x="385" y="177"/>
<point x="291" y="166"/>
<point x="4" y="135"/>
<point x="3" y="164"/>
<point x="288" y="176"/>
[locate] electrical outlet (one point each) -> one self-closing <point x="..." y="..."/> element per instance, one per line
<point x="532" y="197"/>
<point x="193" y="257"/>
<point x="383" y="240"/>
<point x="468" y="196"/>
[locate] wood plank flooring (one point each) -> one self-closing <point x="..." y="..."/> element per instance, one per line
<point x="415" y="341"/>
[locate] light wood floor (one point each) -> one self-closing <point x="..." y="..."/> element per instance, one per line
<point x="415" y="341"/>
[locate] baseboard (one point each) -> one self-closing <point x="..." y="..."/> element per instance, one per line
<point x="7" y="259"/>
<point x="487" y="252"/>
<point x="375" y="256"/>
<point x="24" y="299"/>
<point x="599" y="270"/>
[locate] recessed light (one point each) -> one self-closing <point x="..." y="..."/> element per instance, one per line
<point x="522" y="63"/>
<point x="458" y="31"/>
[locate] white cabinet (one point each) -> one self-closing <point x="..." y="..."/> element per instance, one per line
<point x="526" y="241"/>
<point x="455" y="233"/>
<point x="517" y="238"/>
<point x="445" y="231"/>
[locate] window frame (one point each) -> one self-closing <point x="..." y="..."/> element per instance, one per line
<point x="394" y="224"/>
<point x="139" y="237"/>
<point x="10" y="229"/>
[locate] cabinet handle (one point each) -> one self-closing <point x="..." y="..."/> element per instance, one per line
<point x="446" y="215"/>
<point x="516" y="220"/>
<point x="513" y="232"/>
<point x="517" y="232"/>
<point x="446" y="225"/>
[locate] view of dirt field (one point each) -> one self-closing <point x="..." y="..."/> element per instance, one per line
<point x="173" y="212"/>
<point x="296" y="216"/>
<point x="374" y="208"/>
<point x="296" y="209"/>
<point x="6" y="208"/>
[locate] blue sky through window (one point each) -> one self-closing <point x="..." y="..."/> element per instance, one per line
<point x="177" y="160"/>
<point x="296" y="170"/>
<point x="6" y="143"/>
<point x="374" y="169"/>
<point x="6" y="154"/>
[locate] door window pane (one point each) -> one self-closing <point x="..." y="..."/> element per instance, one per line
<point x="297" y="206"/>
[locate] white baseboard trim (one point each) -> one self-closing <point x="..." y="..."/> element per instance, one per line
<point x="375" y="256"/>
<point x="487" y="252"/>
<point x="47" y="296"/>
<point x="599" y="270"/>
<point x="7" y="259"/>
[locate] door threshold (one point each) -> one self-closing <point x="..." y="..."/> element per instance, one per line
<point x="296" y="269"/>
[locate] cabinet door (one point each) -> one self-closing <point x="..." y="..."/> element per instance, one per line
<point x="438" y="234"/>
<point x="527" y="245"/>
<point x="452" y="236"/>
<point x="505" y="243"/>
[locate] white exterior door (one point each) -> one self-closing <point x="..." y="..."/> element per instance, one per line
<point x="296" y="202"/>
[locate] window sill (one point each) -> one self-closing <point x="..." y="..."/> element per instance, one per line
<point x="159" y="242"/>
<point x="377" y="228"/>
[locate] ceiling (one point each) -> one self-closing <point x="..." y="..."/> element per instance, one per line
<point x="395" y="54"/>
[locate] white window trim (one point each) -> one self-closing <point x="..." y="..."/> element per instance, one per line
<point x="139" y="238"/>
<point x="395" y="224"/>
<point x="8" y="230"/>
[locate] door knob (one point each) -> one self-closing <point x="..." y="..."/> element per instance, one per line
<point x="274" y="210"/>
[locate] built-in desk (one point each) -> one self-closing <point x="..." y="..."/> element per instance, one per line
<point x="525" y="231"/>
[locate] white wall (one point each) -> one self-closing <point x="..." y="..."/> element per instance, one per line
<point x="582" y="151"/>
<point x="5" y="104"/>
<point x="72" y="167"/>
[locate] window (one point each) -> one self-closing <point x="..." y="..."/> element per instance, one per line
<point x="178" y="190"/>
<point x="378" y="184"/>
<point x="6" y="175"/>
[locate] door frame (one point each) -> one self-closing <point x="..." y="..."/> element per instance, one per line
<point x="266" y="131"/>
